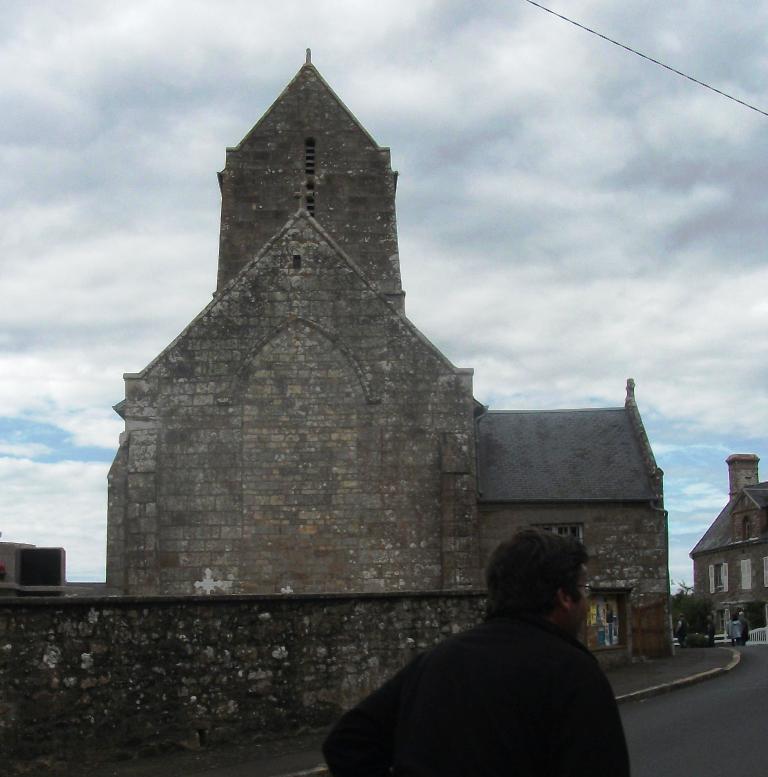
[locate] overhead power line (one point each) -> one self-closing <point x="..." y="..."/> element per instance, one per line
<point x="645" y="56"/>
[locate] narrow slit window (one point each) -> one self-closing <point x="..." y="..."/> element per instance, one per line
<point x="311" y="204"/>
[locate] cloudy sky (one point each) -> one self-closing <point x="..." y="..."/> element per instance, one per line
<point x="570" y="215"/>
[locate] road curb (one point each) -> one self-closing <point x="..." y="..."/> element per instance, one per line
<point x="683" y="682"/>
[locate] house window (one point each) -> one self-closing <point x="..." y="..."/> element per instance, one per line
<point x="746" y="574"/>
<point x="297" y="261"/>
<point x="745" y="529"/>
<point x="765" y="571"/>
<point x="565" y="529"/>
<point x="718" y="578"/>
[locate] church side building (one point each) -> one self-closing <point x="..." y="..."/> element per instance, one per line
<point x="589" y="473"/>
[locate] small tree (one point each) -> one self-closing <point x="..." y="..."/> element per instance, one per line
<point x="693" y="607"/>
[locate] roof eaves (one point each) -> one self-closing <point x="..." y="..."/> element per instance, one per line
<point x="553" y="411"/>
<point x="569" y="500"/>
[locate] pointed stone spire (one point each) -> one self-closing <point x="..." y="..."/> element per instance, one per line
<point x="309" y="57"/>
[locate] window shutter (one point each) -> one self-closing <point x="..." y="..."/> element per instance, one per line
<point x="746" y="574"/>
<point x="725" y="576"/>
<point x="712" y="578"/>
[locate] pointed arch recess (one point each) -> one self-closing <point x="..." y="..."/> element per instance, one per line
<point x="371" y="394"/>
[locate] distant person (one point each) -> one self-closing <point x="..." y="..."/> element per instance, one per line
<point x="734" y="630"/>
<point x="744" y="627"/>
<point x="517" y="695"/>
<point x="710" y="631"/>
<point x="681" y="631"/>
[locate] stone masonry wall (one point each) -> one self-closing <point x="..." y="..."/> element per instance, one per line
<point x="123" y="673"/>
<point x="627" y="541"/>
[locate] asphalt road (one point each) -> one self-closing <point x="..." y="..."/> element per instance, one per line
<point x="716" y="727"/>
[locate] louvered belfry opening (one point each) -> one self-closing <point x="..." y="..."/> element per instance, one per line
<point x="309" y="171"/>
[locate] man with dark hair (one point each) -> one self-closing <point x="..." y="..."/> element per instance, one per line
<point x="517" y="695"/>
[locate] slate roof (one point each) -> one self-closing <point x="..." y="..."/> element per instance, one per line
<point x="720" y="533"/>
<point x="561" y="455"/>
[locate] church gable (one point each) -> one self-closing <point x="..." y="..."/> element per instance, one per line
<point x="306" y="428"/>
<point x="299" y="274"/>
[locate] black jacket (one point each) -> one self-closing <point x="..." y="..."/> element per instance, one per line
<point x="513" y="696"/>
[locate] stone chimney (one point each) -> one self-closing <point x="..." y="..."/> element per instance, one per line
<point x="742" y="471"/>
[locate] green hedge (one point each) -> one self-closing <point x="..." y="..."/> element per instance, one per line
<point x="696" y="640"/>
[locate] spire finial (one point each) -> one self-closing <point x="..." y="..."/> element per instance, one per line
<point x="309" y="57"/>
<point x="630" y="391"/>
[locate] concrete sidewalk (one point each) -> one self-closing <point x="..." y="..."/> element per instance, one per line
<point x="689" y="665"/>
<point x="300" y="756"/>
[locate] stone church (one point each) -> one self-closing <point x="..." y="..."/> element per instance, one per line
<point x="302" y="435"/>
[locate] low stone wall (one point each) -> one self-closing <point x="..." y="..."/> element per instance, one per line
<point x="92" y="674"/>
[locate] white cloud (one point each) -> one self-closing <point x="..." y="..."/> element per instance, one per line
<point x="29" y="450"/>
<point x="680" y="563"/>
<point x="570" y="215"/>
